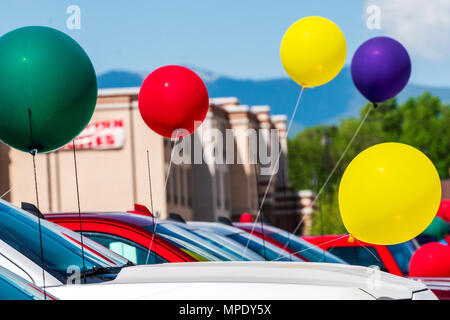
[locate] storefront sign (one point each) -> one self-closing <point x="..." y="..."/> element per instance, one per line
<point x="101" y="135"/>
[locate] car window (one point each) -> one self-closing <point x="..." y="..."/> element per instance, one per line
<point x="305" y="249"/>
<point x="402" y="254"/>
<point x="128" y="249"/>
<point x="230" y="245"/>
<point x="175" y="232"/>
<point x="194" y="251"/>
<point x="360" y="256"/>
<point x="61" y="247"/>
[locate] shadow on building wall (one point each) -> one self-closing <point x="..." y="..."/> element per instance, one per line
<point x="202" y="185"/>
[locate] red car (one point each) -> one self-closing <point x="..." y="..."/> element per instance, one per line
<point x="393" y="259"/>
<point x="125" y="233"/>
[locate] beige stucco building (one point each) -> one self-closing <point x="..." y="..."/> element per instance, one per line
<point x="113" y="172"/>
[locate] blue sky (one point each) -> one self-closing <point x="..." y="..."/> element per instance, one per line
<point x="234" y="38"/>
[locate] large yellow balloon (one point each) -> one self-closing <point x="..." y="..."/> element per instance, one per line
<point x="389" y="194"/>
<point x="313" y="51"/>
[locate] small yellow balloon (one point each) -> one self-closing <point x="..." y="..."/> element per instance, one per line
<point x="313" y="51"/>
<point x="389" y="194"/>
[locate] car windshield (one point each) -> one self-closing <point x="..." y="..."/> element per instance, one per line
<point x="173" y="233"/>
<point x="13" y="287"/>
<point x="301" y="247"/>
<point x="229" y="245"/>
<point x="62" y="252"/>
<point x="402" y="254"/>
<point x="195" y="252"/>
<point x="361" y="256"/>
<point x="263" y="248"/>
<point x="305" y="249"/>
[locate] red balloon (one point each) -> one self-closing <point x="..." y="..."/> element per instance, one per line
<point x="173" y="101"/>
<point x="444" y="210"/>
<point x="246" y="218"/>
<point x="430" y="260"/>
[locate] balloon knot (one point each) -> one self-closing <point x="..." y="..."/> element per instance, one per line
<point x="351" y="239"/>
<point x="34" y="152"/>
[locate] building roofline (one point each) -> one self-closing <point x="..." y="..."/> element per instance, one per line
<point x="109" y="92"/>
<point x="258" y="109"/>
<point x="224" y="100"/>
<point x="278" y="118"/>
<point x="237" y="109"/>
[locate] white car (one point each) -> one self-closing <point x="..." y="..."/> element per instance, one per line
<point x="109" y="276"/>
<point x="249" y="281"/>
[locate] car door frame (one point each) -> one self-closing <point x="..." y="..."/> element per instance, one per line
<point x="129" y="233"/>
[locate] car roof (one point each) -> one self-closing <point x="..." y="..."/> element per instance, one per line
<point x="257" y="227"/>
<point x="219" y="228"/>
<point x="301" y="273"/>
<point x="317" y="240"/>
<point x="118" y="217"/>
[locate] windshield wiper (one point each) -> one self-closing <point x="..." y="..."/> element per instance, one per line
<point x="96" y="271"/>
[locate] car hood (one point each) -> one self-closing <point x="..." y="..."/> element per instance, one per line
<point x="246" y="280"/>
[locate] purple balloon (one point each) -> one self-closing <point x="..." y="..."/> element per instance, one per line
<point x="380" y="68"/>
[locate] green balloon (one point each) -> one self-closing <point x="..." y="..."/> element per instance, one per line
<point x="438" y="228"/>
<point x="44" y="74"/>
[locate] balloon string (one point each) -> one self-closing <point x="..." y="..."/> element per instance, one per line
<point x="170" y="163"/>
<point x="153" y="214"/>
<point x="285" y="206"/>
<point x="367" y="250"/>
<point x="33" y="152"/>
<point x="336" y="165"/>
<point x="10" y="189"/>
<point x="291" y="121"/>
<point x="262" y="212"/>
<point x="322" y="227"/>
<point x="297" y="227"/>
<point x="294" y="232"/>
<point x="342" y="156"/>
<point x="79" y="207"/>
<point x="313" y="247"/>
<point x="155" y="222"/>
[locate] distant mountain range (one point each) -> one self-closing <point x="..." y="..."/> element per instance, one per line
<point x="322" y="105"/>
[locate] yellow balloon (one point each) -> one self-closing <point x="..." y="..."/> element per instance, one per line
<point x="313" y="51"/>
<point x="389" y="194"/>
